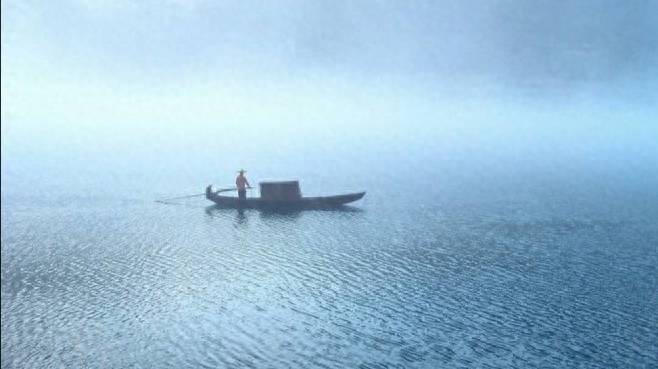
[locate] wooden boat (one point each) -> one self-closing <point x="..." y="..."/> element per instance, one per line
<point x="281" y="195"/>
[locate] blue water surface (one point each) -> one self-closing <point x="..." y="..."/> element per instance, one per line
<point x="461" y="254"/>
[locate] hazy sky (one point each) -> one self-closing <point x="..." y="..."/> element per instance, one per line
<point x="149" y="63"/>
<point x="123" y="43"/>
<point x="98" y="75"/>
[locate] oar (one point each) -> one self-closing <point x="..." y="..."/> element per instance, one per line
<point x="181" y="197"/>
<point x="197" y="195"/>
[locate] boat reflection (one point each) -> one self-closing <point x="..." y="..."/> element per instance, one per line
<point x="221" y="212"/>
<point x="241" y="216"/>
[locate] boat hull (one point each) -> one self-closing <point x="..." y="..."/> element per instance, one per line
<point x="320" y="202"/>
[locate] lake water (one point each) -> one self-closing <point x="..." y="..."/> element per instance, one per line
<point x="510" y="243"/>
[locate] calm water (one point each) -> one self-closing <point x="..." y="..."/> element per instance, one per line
<point x="459" y="256"/>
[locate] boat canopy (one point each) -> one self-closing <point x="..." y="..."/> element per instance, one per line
<point x="277" y="191"/>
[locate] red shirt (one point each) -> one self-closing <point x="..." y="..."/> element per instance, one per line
<point x="241" y="182"/>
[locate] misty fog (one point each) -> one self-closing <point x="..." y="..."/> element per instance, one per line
<point x="489" y="86"/>
<point x="499" y="159"/>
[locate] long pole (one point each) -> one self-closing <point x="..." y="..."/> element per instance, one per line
<point x="181" y="197"/>
<point x="198" y="194"/>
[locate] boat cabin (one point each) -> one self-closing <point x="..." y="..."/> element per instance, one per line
<point x="280" y="191"/>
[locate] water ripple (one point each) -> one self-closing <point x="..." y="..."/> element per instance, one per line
<point x="157" y="286"/>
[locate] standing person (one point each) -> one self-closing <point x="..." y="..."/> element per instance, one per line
<point x="242" y="184"/>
